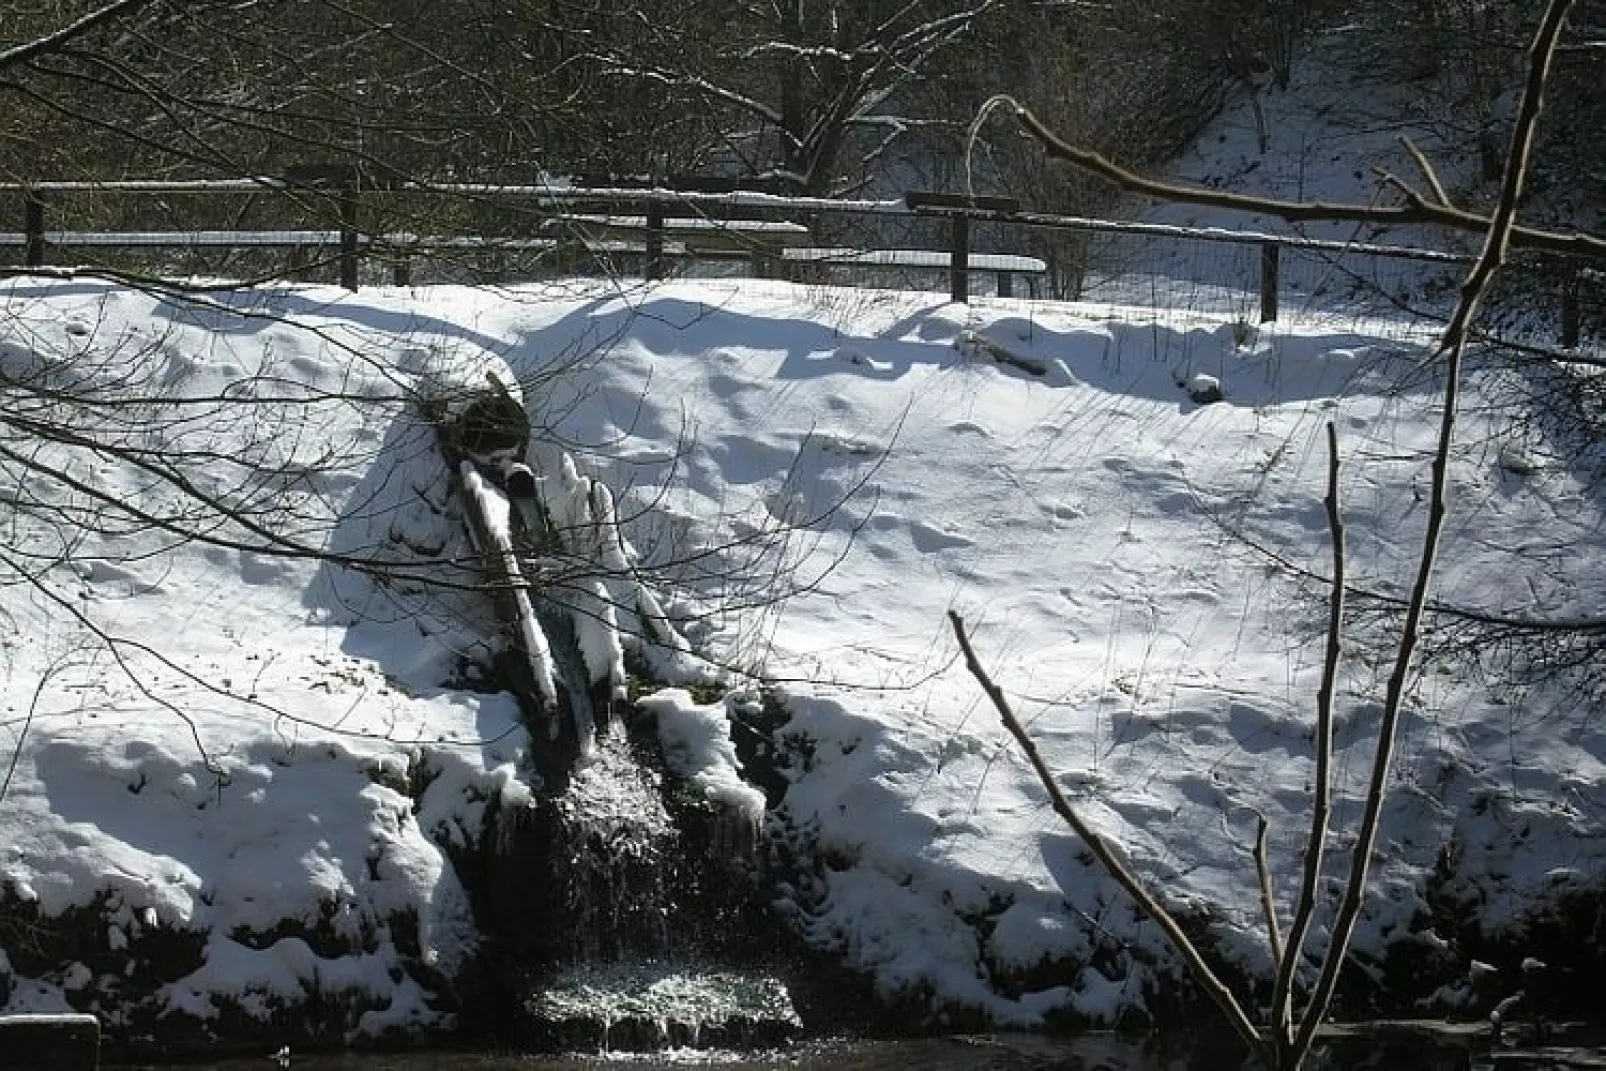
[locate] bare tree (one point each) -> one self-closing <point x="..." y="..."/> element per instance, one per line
<point x="1292" y="1030"/>
<point x="404" y="89"/>
<point x="804" y="93"/>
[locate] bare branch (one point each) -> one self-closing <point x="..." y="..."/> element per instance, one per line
<point x="1268" y="898"/>
<point x="1282" y="1001"/>
<point x="1425" y="167"/>
<point x="1101" y="850"/>
<point x="705" y="86"/>
<point x="51" y="42"/>
<point x="1453" y="347"/>
<point x="1417" y="210"/>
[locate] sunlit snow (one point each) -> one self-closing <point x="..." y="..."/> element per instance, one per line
<point x="810" y="479"/>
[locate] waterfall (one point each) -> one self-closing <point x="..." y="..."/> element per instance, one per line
<point x="618" y="845"/>
<point x="627" y="903"/>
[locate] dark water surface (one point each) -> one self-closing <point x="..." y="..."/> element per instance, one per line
<point x="1088" y="1053"/>
<point x="1205" y="1051"/>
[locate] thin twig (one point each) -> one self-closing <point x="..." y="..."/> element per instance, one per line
<point x="1425" y="167"/>
<point x="22" y="734"/>
<point x="1282" y="1001"/>
<point x="1268" y="899"/>
<point x="52" y="42"/>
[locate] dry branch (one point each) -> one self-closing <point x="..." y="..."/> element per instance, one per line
<point x="48" y="43"/>
<point x="1294" y="1029"/>
<point x="1284" y="1020"/>
<point x="1268" y="899"/>
<point x="1417" y="209"/>
<point x="1101" y="850"/>
<point x="1498" y="241"/>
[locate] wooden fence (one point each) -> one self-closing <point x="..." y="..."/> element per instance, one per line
<point x="655" y="226"/>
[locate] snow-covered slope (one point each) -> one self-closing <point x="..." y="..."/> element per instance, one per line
<point x="814" y="478"/>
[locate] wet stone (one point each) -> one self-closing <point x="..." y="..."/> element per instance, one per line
<point x="646" y="1007"/>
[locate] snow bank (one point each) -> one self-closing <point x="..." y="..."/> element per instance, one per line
<point x="1140" y="572"/>
<point x="697" y="746"/>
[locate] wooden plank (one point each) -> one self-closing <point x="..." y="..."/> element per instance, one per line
<point x="912" y="258"/>
<point x="957" y="203"/>
<point x="177" y="239"/>
<point x="406" y="243"/>
<point x="686" y="224"/>
<point x="323" y="175"/>
<point x="288" y="239"/>
<point x="760" y="239"/>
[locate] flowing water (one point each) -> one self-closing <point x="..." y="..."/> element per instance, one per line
<point x="619" y="843"/>
<point x="634" y="978"/>
<point x="926" y="1055"/>
<point x="644" y="918"/>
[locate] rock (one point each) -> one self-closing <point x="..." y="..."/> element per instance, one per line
<point x="1204" y="389"/>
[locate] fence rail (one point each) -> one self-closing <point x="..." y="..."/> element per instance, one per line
<point x="635" y="221"/>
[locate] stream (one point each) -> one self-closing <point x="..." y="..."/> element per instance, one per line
<point x="1091" y="1052"/>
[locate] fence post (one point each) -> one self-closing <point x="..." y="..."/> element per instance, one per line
<point x="346" y="202"/>
<point x="1269" y="256"/>
<point x="959" y="259"/>
<point x="1571" y="318"/>
<point x="33" y="230"/>
<point x="342" y="181"/>
<point x="655" y="240"/>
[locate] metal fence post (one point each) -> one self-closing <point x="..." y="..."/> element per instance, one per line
<point x="33" y="230"/>
<point x="959" y="259"/>
<point x="1269" y="257"/>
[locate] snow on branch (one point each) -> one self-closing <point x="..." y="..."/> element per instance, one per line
<point x="51" y="42"/>
<point x="493" y="509"/>
<point x="935" y="32"/>
<point x="686" y="80"/>
<point x="792" y="50"/>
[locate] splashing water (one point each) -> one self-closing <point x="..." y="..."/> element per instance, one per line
<point x="644" y="917"/>
<point x="620" y="846"/>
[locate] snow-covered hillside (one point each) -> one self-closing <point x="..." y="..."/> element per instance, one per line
<point x="277" y="740"/>
<point x="250" y="762"/>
